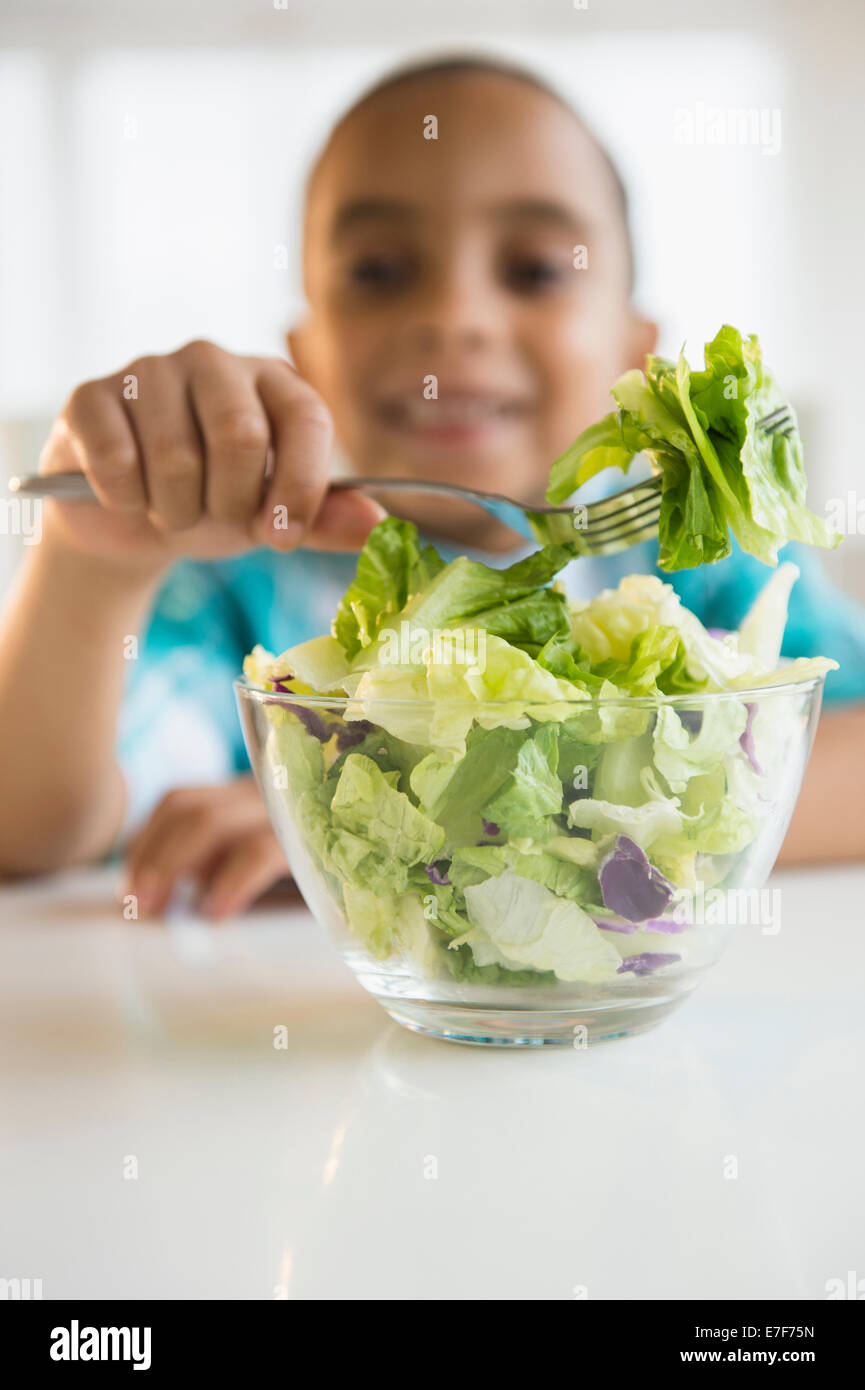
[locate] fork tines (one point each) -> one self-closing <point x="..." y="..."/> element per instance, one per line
<point x="778" y="421"/>
<point x="626" y="519"/>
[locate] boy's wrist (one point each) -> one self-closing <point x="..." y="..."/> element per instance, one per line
<point x="126" y="576"/>
<point x="102" y="579"/>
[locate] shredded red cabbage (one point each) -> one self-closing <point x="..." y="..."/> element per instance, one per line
<point x="631" y="886"/>
<point x="666" y="924"/>
<point x="435" y="875"/>
<point x="746" y="739"/>
<point x="348" y="734"/>
<point x="692" y="719"/>
<point x="313" y="722"/>
<point x="646" y="962"/>
<point x="616" y="924"/>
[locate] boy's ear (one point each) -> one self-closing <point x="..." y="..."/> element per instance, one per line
<point x="642" y="339"/>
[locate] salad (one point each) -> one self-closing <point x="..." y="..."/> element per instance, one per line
<point x="502" y="785"/>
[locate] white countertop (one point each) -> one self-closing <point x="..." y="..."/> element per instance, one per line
<point x="362" y="1161"/>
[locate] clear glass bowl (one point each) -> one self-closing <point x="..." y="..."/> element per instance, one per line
<point x="710" y="848"/>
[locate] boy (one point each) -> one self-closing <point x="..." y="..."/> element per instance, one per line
<point x="450" y="257"/>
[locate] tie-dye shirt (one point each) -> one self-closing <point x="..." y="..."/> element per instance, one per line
<point x="179" y="724"/>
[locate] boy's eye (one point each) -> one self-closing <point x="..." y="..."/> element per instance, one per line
<point x="528" y="274"/>
<point x="380" y="272"/>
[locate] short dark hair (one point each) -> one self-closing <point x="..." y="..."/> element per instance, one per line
<point x="502" y="67"/>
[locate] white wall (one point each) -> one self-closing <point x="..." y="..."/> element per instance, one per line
<point x="150" y="159"/>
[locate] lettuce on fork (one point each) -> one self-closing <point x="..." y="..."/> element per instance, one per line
<point x="500" y="785"/>
<point x="721" y="472"/>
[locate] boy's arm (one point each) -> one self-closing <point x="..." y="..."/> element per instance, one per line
<point x="61" y="682"/>
<point x="828" y="824"/>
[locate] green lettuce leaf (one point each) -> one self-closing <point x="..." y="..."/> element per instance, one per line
<point x="377" y="833"/>
<point x="657" y="663"/>
<point x="565" y="658"/>
<point x="517" y="922"/>
<point x="390" y="569"/>
<point x="533" y="792"/>
<point x="396" y="924"/>
<point x="720" y="472"/>
<point x="320" y="664"/>
<point x="606" y="627"/>
<point x="390" y="754"/>
<point x="766" y="471"/>
<point x="513" y="604"/>
<point x="564" y="877"/>
<point x="680" y="755"/>
<point x="437" y="703"/>
<point x="761" y="631"/>
<point x="296" y="766"/>
<point x="658" y="818"/>
<point x="456" y="794"/>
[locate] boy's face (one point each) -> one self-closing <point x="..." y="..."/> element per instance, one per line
<point x="453" y="259"/>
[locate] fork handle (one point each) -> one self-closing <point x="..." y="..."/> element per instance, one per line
<point x="68" y="487"/>
<point x="75" y="487"/>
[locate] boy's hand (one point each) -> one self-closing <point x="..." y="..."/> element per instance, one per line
<point x="176" y="449"/>
<point x="219" y="835"/>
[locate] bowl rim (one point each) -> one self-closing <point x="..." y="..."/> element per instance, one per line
<point x="246" y="687"/>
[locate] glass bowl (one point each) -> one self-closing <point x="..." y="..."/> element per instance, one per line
<point x="477" y="903"/>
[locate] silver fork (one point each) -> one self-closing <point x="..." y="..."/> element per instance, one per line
<point x="778" y="421"/>
<point x="596" y="528"/>
<point x="601" y="528"/>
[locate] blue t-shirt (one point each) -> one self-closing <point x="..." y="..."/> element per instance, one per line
<point x="179" y="723"/>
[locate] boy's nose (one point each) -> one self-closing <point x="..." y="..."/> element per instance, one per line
<point x="457" y="310"/>
<point x="436" y="335"/>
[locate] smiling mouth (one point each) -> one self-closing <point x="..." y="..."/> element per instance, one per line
<point x="450" y="413"/>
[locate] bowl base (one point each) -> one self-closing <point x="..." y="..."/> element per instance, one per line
<point x="575" y="1028"/>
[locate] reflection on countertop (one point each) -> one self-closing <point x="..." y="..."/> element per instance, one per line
<point x="220" y="1112"/>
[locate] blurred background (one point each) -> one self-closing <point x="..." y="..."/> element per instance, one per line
<point x="152" y="156"/>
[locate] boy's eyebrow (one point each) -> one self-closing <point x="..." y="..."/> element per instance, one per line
<point x="540" y="210"/>
<point x="362" y="210"/>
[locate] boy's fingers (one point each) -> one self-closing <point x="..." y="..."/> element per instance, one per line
<point x="169" y="443"/>
<point x="105" y="445"/>
<point x="302" y="443"/>
<point x="235" y="429"/>
<point x="250" y="867"/>
<point x="175" y="842"/>
<point x="184" y="831"/>
<point x="344" y="521"/>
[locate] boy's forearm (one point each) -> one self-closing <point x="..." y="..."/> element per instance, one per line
<point x="829" y="821"/>
<point x="61" y="681"/>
